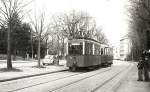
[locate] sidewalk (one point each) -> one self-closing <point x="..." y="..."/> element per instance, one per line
<point x="130" y="83"/>
<point x="29" y="71"/>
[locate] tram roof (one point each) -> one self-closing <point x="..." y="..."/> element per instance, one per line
<point x="87" y="40"/>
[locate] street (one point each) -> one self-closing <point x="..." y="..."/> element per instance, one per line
<point x="130" y="83"/>
<point x="80" y="81"/>
<point x="74" y="45"/>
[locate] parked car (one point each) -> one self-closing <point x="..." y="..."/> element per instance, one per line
<point x="48" y="59"/>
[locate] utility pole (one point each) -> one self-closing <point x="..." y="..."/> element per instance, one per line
<point x="47" y="46"/>
<point x="32" y="44"/>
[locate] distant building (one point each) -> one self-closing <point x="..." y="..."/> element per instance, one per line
<point x="116" y="51"/>
<point x="125" y="48"/>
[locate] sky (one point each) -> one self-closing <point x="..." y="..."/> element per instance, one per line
<point x="111" y="15"/>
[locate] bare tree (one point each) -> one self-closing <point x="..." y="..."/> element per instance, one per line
<point x="139" y="13"/>
<point x="76" y="24"/>
<point x="7" y="10"/>
<point x="100" y="36"/>
<point x="40" y="31"/>
<point x="58" y="32"/>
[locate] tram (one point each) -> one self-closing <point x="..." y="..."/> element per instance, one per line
<point x="87" y="53"/>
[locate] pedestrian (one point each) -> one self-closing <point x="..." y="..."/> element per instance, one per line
<point x="140" y="67"/>
<point x="146" y="67"/>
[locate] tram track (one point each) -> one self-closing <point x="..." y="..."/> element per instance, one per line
<point x="61" y="79"/>
<point x="42" y="82"/>
<point x="95" y="89"/>
<point x="77" y="81"/>
<point x="71" y="80"/>
<point x="107" y="81"/>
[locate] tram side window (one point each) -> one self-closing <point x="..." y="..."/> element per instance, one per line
<point x="97" y="49"/>
<point x="102" y="52"/>
<point x="88" y="49"/>
<point x="106" y="53"/>
<point x="109" y="51"/>
<point x="75" y="49"/>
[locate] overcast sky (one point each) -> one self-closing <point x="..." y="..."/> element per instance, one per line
<point x="110" y="14"/>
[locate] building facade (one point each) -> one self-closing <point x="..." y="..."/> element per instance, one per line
<point x="125" y="48"/>
<point x="116" y="52"/>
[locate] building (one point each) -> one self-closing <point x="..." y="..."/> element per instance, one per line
<point x="125" y="48"/>
<point x="116" y="51"/>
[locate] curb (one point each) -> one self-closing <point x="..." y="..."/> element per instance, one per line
<point x="33" y="75"/>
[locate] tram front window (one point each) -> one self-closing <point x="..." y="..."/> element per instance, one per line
<point x="75" y="49"/>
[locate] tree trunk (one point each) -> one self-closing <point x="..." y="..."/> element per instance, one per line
<point x="9" y="63"/>
<point x="47" y="46"/>
<point x="39" y="48"/>
<point x="32" y="51"/>
<point x="32" y="45"/>
<point x="58" y="50"/>
<point x="63" y="45"/>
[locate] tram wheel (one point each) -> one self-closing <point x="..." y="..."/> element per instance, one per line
<point x="73" y="69"/>
<point x="70" y="68"/>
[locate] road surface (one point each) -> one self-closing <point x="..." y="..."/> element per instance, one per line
<point x="80" y="81"/>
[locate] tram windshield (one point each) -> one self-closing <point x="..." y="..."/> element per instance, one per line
<point x="75" y="48"/>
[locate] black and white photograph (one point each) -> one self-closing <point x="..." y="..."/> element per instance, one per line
<point x="74" y="45"/>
